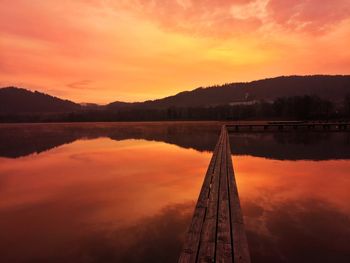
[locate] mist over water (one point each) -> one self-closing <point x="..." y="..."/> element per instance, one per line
<point x="125" y="192"/>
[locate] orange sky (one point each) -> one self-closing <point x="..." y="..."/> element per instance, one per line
<point x="131" y="50"/>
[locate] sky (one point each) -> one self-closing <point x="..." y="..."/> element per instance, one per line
<point x="133" y="50"/>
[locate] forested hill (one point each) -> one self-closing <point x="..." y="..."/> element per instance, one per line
<point x="328" y="92"/>
<point x="333" y="88"/>
<point x="15" y="100"/>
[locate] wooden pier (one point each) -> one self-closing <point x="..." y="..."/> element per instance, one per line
<point x="289" y="126"/>
<point x="217" y="233"/>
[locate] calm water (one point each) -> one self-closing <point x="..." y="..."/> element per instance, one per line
<point x="126" y="192"/>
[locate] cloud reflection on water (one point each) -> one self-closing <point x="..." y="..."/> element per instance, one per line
<point x="295" y="211"/>
<point x="99" y="201"/>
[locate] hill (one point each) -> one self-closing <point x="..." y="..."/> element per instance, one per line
<point x="333" y="88"/>
<point x="15" y="100"/>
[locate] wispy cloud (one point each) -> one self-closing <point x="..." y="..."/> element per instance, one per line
<point x="82" y="84"/>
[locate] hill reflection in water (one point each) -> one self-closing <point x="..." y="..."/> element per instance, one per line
<point x="23" y="139"/>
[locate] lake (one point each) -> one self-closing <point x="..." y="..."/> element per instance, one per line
<point x="125" y="192"/>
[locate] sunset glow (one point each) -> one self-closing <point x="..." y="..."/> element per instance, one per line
<point x="132" y="50"/>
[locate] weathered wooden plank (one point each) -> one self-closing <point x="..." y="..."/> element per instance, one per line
<point x="223" y="239"/>
<point x="191" y="244"/>
<point x="208" y="236"/>
<point x="240" y="244"/>
<point x="288" y="126"/>
<point x="239" y="239"/>
<point x="204" y="193"/>
<point x="190" y="247"/>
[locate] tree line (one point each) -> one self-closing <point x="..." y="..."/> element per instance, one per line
<point x="285" y="108"/>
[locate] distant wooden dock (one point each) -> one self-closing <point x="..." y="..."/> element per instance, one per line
<point x="217" y="233"/>
<point x="289" y="126"/>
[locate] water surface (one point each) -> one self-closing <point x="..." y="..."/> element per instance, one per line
<point x="69" y="197"/>
<point x="125" y="192"/>
<point x="296" y="204"/>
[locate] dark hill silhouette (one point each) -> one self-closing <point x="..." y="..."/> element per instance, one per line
<point x="15" y="100"/>
<point x="333" y="88"/>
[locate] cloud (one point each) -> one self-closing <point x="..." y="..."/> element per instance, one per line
<point x="82" y="84"/>
<point x="208" y="18"/>
<point x="39" y="21"/>
<point x="231" y="18"/>
<point x="311" y="16"/>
